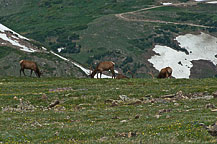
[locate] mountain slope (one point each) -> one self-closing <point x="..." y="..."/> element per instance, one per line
<point x="10" y="39"/>
<point x="14" y="47"/>
<point x="90" y="31"/>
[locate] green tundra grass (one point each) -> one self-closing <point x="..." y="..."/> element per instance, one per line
<point x="92" y="111"/>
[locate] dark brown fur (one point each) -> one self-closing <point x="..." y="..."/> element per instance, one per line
<point x="103" y="66"/>
<point x="165" y="73"/>
<point x="25" y="64"/>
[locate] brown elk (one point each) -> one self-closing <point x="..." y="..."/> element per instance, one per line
<point x="25" y="64"/>
<point x="122" y="76"/>
<point x="164" y="73"/>
<point x="103" y="66"/>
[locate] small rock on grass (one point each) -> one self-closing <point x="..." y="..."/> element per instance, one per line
<point x="54" y="104"/>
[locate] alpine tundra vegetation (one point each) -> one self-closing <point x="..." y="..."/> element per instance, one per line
<point x="66" y="37"/>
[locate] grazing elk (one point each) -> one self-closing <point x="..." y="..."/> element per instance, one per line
<point x="122" y="76"/>
<point x="164" y="73"/>
<point x="25" y="64"/>
<point x="103" y="66"/>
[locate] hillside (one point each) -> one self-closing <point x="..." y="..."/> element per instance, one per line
<point x="124" y="31"/>
<point x="107" y="110"/>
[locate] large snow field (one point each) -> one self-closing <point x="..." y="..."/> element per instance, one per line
<point x="200" y="47"/>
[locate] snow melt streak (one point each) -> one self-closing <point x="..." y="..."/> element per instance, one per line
<point x="4" y="28"/>
<point x="15" y="43"/>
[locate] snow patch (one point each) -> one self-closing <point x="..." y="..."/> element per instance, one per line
<point x="44" y="48"/>
<point x="166" y="3"/>
<point x="200" y="47"/>
<point x="4" y="28"/>
<point x="200" y="0"/>
<point x="212" y="2"/>
<point x="15" y="43"/>
<point x="86" y="71"/>
<point x="16" y="36"/>
<point x="60" y="49"/>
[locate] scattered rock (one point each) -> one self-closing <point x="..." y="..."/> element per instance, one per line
<point x="102" y="139"/>
<point x="59" y="108"/>
<point x="179" y="94"/>
<point x="214" y="94"/>
<point x="164" y="111"/>
<point x="61" y="89"/>
<point x="123" y="121"/>
<point x="203" y="125"/>
<point x="114" y="104"/>
<point x="207" y="97"/>
<point x="23" y="106"/>
<point x="168" y="96"/>
<point x="176" y="104"/>
<point x="168" y="116"/>
<point x="44" y="96"/>
<point x="115" y="117"/>
<point x="78" y="107"/>
<point x="212" y="129"/>
<point x="131" y="134"/>
<point x="124" y="97"/>
<point x="214" y="110"/>
<point x="54" y="104"/>
<point x="109" y="101"/>
<point x="210" y="106"/>
<point x="135" y="103"/>
<point x="137" y="116"/>
<point x="127" y="135"/>
<point x="157" y="116"/>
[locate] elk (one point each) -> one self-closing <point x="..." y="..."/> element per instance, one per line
<point x="164" y="73"/>
<point x="25" y="64"/>
<point x="122" y="76"/>
<point x="103" y="66"/>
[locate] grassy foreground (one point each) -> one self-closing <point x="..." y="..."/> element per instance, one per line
<point x="106" y="110"/>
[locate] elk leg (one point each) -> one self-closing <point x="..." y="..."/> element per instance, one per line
<point x="31" y="73"/>
<point x="100" y="74"/>
<point x="37" y="74"/>
<point x="20" y="72"/>
<point x="167" y="76"/>
<point x="113" y="73"/>
<point x="23" y="72"/>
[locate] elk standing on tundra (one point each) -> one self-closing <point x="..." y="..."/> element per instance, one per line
<point x="103" y="66"/>
<point x="25" y="64"/>
<point x="164" y="73"/>
<point x="122" y="76"/>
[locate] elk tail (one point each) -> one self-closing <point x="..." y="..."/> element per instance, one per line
<point x="21" y="61"/>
